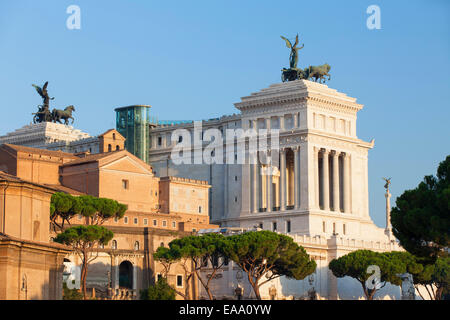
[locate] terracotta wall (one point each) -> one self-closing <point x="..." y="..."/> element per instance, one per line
<point x="27" y="212"/>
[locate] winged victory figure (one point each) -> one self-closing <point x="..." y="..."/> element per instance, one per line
<point x="388" y="182"/>
<point x="293" y="58"/>
<point x="43" y="113"/>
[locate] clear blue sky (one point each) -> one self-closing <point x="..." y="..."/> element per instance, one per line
<point x="194" y="59"/>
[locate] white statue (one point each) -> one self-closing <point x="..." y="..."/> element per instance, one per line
<point x="408" y="290"/>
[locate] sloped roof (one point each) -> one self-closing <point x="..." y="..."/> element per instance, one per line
<point x="65" y="189"/>
<point x="54" y="245"/>
<point x="46" y="152"/>
<point x="105" y="158"/>
<point x="110" y="130"/>
<point x="92" y="158"/>
<point x="11" y="178"/>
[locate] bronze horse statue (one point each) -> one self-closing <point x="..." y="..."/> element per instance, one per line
<point x="318" y="72"/>
<point x="65" y="114"/>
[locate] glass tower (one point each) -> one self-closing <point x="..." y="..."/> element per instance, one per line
<point x="133" y="122"/>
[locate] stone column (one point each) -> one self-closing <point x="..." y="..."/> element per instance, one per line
<point x="225" y="190"/>
<point x="116" y="273"/>
<point x="269" y="185"/>
<point x="296" y="178"/>
<point x="388" y="210"/>
<point x="316" y="176"/>
<point x="282" y="122"/>
<point x="325" y="181"/>
<point x="346" y="182"/>
<point x="283" y="179"/>
<point x="256" y="188"/>
<point x="268" y="127"/>
<point x="336" y="204"/>
<point x="295" y="116"/>
<point x="134" y="277"/>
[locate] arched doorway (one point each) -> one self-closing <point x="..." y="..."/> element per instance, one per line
<point x="126" y="275"/>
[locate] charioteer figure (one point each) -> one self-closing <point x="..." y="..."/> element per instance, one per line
<point x="56" y="115"/>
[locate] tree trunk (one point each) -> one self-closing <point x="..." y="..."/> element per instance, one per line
<point x="255" y="286"/>
<point x="84" y="268"/>
<point x="439" y="291"/>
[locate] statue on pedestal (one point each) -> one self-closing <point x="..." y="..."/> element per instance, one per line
<point x="408" y="290"/>
<point x="44" y="114"/>
<point x="311" y="72"/>
<point x="388" y="182"/>
<point x="387" y="195"/>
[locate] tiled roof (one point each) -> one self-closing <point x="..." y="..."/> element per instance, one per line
<point x="46" y="152"/>
<point x="55" y="245"/>
<point x="11" y="178"/>
<point x="92" y="157"/>
<point x="61" y="188"/>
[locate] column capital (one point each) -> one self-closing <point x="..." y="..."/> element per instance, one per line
<point x="324" y="151"/>
<point x="335" y="153"/>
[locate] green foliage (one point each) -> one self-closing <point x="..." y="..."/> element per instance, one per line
<point x="420" y="219"/>
<point x="83" y="240"/>
<point x="198" y="247"/>
<point x="64" y="207"/>
<point x="160" y="291"/>
<point x="356" y="263"/>
<point x="84" y="236"/>
<point x="269" y="254"/>
<point x="435" y="276"/>
<point x="71" y="294"/>
<point x="279" y="252"/>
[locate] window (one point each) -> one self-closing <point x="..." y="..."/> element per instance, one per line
<point x="324" y="226"/>
<point x="174" y="224"/>
<point x="199" y="209"/>
<point x="117" y="148"/>
<point x="334" y="228"/>
<point x="136" y="246"/>
<point x="194" y="230"/>
<point x="288" y="226"/>
<point x="274" y="226"/>
<point x="161" y="244"/>
<point x="145" y="221"/>
<point x="226" y="261"/>
<point x="125" y="220"/>
<point x="179" y="281"/>
<point x="155" y="223"/>
<point x="261" y="225"/>
<point x="235" y="199"/>
<point x="158" y="276"/>
<point x="114" y="244"/>
<point x="109" y="148"/>
<point x="235" y="178"/>
<point x="135" y="220"/>
<point x="164" y="223"/>
<point x="116" y="219"/>
<point x="344" y="229"/>
<point x="159" y="141"/>
<point x="180" y="139"/>
<point x="205" y="262"/>
<point x="125" y="184"/>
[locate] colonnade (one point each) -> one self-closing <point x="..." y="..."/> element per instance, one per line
<point x="278" y="188"/>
